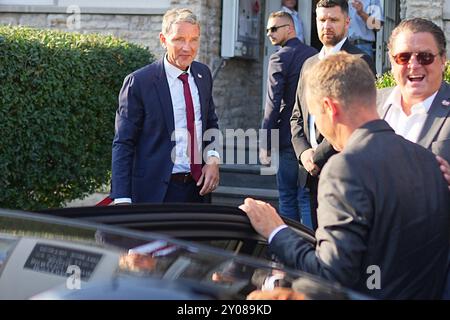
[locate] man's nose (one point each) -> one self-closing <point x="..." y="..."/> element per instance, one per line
<point x="327" y="24"/>
<point x="413" y="62"/>
<point x="187" y="45"/>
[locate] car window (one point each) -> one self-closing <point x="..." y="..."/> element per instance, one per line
<point x="49" y="257"/>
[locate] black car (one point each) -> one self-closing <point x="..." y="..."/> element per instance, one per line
<point x="130" y="252"/>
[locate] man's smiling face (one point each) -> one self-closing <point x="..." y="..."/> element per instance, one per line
<point x="417" y="82"/>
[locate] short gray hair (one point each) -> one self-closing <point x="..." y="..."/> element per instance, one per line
<point x="344" y="77"/>
<point x="178" y="15"/>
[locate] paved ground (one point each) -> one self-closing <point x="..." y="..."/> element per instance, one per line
<point x="90" y="200"/>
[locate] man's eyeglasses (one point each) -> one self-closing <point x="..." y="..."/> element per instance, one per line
<point x="275" y="28"/>
<point x="423" y="58"/>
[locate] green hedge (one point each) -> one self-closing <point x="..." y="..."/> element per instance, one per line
<point x="58" y="96"/>
<point x="387" y="80"/>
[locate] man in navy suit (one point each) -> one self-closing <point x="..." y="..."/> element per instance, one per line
<point x="164" y="110"/>
<point x="283" y="73"/>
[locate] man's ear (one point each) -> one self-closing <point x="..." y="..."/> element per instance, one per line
<point x="162" y="40"/>
<point x="331" y="107"/>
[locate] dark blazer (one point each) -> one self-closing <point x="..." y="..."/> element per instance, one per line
<point x="435" y="134"/>
<point x="300" y="117"/>
<point x="283" y="74"/>
<point x="382" y="202"/>
<point x="142" y="146"/>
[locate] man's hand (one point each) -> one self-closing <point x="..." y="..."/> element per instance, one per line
<point x="263" y="217"/>
<point x="263" y="157"/>
<point x="358" y="5"/>
<point x="278" y="293"/>
<point x="210" y="176"/>
<point x="445" y="168"/>
<point x="137" y="262"/>
<point x="307" y="161"/>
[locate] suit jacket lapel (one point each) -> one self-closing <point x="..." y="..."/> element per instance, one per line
<point x="345" y="46"/>
<point x="382" y="97"/>
<point x="437" y="114"/>
<point x="165" y="99"/>
<point x="200" y="82"/>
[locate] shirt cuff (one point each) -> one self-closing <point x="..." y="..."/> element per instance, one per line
<point x="274" y="232"/>
<point x="122" y="200"/>
<point x="213" y="153"/>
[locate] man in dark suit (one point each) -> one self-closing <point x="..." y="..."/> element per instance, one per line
<point x="383" y="214"/>
<point x="283" y="73"/>
<point x="418" y="108"/>
<point x="164" y="110"/>
<point x="332" y="26"/>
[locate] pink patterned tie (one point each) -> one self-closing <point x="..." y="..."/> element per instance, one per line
<point x="194" y="154"/>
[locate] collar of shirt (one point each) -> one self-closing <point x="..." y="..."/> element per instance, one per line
<point x="323" y="53"/>
<point x="173" y="72"/>
<point x="395" y="100"/>
<point x="292" y="12"/>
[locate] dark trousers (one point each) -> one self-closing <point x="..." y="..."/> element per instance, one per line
<point x="313" y="184"/>
<point x="178" y="191"/>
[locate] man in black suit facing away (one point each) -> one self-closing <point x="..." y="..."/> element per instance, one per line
<point x="333" y="22"/>
<point x="283" y="74"/>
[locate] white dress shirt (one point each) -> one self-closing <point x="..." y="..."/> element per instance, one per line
<point x="406" y="126"/>
<point x="182" y="161"/>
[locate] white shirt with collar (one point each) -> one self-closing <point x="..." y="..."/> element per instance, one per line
<point x="324" y="52"/>
<point x="181" y="161"/>
<point x="410" y="126"/>
<point x="311" y="119"/>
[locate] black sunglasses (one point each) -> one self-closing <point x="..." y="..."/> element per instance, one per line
<point x="275" y="28"/>
<point x="424" y="58"/>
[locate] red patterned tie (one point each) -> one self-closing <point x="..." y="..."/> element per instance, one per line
<point x="194" y="154"/>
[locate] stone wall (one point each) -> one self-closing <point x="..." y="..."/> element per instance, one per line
<point x="437" y="11"/>
<point x="429" y="9"/>
<point x="447" y="24"/>
<point x="238" y="86"/>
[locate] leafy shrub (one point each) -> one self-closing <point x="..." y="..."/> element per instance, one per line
<point x="387" y="80"/>
<point x="58" y="96"/>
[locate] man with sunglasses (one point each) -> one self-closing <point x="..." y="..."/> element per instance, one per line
<point x="418" y="108"/>
<point x="283" y="73"/>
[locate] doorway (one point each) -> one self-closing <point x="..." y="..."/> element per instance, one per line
<point x="391" y="9"/>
